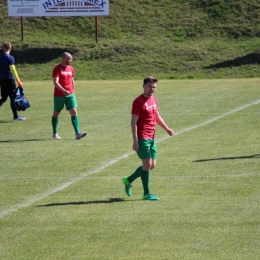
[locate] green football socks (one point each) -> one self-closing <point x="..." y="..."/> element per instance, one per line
<point x="135" y="175"/>
<point x="75" y="123"/>
<point x="55" y="122"/>
<point x="145" y="176"/>
<point x="74" y="120"/>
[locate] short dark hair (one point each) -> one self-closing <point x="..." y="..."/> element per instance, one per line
<point x="150" y="79"/>
<point x="7" y="46"/>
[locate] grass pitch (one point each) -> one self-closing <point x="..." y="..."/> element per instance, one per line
<point x="63" y="199"/>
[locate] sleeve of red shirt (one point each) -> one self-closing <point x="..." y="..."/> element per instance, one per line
<point x="136" y="108"/>
<point x="55" y="72"/>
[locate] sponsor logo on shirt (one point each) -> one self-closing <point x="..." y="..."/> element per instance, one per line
<point x="147" y="107"/>
<point x="66" y="73"/>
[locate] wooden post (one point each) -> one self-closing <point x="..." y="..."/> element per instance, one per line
<point x="22" y="28"/>
<point x="96" y="23"/>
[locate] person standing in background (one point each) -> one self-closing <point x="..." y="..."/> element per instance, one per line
<point x="8" y="75"/>
<point x="64" y="86"/>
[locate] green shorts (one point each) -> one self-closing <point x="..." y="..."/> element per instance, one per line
<point x="147" y="149"/>
<point x="69" y="101"/>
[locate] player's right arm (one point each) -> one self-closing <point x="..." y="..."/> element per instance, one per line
<point x="134" y="132"/>
<point x="59" y="87"/>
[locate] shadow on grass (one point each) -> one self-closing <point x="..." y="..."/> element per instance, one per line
<point x="36" y="140"/>
<point x="110" y="200"/>
<point x="6" y="121"/>
<point x="39" y="55"/>
<point x="229" y="158"/>
<point x="252" y="58"/>
<point x="26" y="140"/>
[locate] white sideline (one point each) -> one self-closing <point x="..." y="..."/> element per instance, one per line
<point x="104" y="166"/>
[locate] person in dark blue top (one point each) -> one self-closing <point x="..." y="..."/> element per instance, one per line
<point x="8" y="75"/>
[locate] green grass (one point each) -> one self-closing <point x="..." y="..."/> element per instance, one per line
<point x="170" y="39"/>
<point x="207" y="178"/>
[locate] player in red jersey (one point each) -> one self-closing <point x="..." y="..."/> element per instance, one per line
<point x="145" y="115"/>
<point x="63" y="79"/>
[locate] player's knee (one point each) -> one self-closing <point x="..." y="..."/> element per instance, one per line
<point x="56" y="113"/>
<point x="147" y="165"/>
<point x="153" y="165"/>
<point x="3" y="100"/>
<point x="73" y="112"/>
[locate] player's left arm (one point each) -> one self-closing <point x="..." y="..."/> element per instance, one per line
<point x="162" y="124"/>
<point x="15" y="74"/>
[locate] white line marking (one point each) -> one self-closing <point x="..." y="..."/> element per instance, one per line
<point x="211" y="120"/>
<point x="113" y="161"/>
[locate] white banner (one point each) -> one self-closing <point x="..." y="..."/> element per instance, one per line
<point x="24" y="8"/>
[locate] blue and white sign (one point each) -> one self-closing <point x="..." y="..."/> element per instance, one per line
<point x="30" y="8"/>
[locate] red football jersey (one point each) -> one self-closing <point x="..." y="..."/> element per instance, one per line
<point x="65" y="75"/>
<point x="146" y="109"/>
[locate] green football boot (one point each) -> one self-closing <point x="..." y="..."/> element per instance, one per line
<point x="150" y="197"/>
<point x="128" y="186"/>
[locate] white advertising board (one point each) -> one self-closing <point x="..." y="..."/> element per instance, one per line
<point x="34" y="8"/>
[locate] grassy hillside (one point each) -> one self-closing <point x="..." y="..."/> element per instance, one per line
<point x="169" y="39"/>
